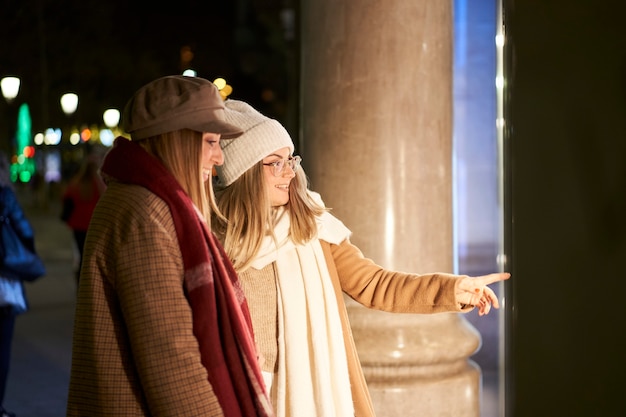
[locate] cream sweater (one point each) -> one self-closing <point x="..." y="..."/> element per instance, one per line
<point x="259" y="287"/>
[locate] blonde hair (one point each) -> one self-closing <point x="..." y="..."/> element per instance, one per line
<point x="177" y="151"/>
<point x="249" y="215"/>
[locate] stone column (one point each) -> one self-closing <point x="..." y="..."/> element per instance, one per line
<point x="376" y="87"/>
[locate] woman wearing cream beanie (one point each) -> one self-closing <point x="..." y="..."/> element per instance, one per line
<point x="295" y="260"/>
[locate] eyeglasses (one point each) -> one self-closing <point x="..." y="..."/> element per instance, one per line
<point x="278" y="167"/>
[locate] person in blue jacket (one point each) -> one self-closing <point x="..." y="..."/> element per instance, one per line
<point x="13" y="299"/>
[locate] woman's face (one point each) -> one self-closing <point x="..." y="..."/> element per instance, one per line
<point x="278" y="186"/>
<point x="211" y="153"/>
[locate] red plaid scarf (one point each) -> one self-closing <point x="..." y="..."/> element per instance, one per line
<point x="221" y="320"/>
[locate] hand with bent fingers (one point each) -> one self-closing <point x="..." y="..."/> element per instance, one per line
<point x="475" y="292"/>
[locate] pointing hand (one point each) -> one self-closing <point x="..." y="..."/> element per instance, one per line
<point x="475" y="292"/>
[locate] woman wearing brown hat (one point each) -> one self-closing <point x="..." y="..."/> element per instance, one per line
<point x="161" y="326"/>
<point x="295" y="259"/>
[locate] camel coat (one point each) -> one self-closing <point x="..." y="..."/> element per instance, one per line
<point x="380" y="289"/>
<point x="368" y="284"/>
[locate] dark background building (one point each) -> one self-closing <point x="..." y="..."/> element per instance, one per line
<point x="105" y="50"/>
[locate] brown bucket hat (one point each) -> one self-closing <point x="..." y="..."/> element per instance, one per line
<point x="176" y="102"/>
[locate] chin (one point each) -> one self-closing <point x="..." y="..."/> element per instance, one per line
<point x="279" y="203"/>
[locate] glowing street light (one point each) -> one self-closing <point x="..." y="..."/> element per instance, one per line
<point x="10" y="88"/>
<point x="69" y="103"/>
<point x="225" y="89"/>
<point x="111" y="118"/>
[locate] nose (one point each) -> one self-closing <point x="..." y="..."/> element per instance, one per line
<point x="218" y="156"/>
<point x="288" y="171"/>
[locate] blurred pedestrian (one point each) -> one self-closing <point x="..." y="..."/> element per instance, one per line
<point x="79" y="201"/>
<point x="295" y="260"/>
<point x="161" y="326"/>
<point x="13" y="299"/>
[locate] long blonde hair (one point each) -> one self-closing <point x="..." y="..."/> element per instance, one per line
<point x="249" y="215"/>
<point x="181" y="151"/>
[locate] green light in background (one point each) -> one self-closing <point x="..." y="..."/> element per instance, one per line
<point x="24" y="125"/>
<point x="23" y="167"/>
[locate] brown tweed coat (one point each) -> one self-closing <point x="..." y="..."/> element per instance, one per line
<point x="134" y="352"/>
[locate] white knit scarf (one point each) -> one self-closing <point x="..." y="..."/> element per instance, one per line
<point x="312" y="378"/>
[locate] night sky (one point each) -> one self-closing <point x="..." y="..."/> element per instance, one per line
<point x="105" y="50"/>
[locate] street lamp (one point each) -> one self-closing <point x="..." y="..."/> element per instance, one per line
<point x="10" y="88"/>
<point x="69" y="103"/>
<point x="111" y="118"/>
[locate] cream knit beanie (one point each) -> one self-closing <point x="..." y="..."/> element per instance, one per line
<point x="261" y="136"/>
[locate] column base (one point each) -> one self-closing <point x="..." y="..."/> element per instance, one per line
<point x="451" y="396"/>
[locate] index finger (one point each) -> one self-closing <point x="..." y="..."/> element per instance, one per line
<point x="491" y="278"/>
